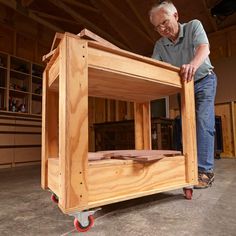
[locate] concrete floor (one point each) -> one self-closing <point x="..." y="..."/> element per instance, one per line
<point x="25" y="209"/>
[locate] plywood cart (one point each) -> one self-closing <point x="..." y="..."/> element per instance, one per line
<point x="79" y="68"/>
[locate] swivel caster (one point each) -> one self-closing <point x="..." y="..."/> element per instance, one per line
<point x="54" y="198"/>
<point x="81" y="228"/>
<point x="188" y="193"/>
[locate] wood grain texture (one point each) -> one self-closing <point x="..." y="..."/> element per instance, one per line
<point x="224" y="110"/>
<point x="73" y="122"/>
<point x="53" y="175"/>
<point x="87" y="34"/>
<point x="189" y="132"/>
<point x="126" y="178"/>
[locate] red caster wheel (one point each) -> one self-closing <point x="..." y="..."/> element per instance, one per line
<point x="54" y="198"/>
<point x="81" y="228"/>
<point x="188" y="193"/>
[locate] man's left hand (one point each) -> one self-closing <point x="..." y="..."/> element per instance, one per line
<point x="187" y="72"/>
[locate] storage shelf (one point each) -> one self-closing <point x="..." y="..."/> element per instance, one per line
<point x="20" y="72"/>
<point x="21" y="82"/>
<point x="18" y="92"/>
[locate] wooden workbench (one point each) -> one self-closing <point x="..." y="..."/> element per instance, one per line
<point x="79" y="68"/>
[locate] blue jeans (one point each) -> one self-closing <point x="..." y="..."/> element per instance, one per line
<point x="205" y="91"/>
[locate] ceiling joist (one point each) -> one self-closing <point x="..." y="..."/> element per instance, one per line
<point x="26" y="3"/>
<point x="117" y="12"/>
<point x="113" y="25"/>
<point x="208" y="13"/>
<point x="140" y="18"/>
<point x="85" y="22"/>
<point x="14" y="5"/>
<point x="53" y="17"/>
<point x="81" y="5"/>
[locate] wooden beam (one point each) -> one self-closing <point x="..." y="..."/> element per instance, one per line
<point x="87" y="34"/>
<point x="122" y="16"/>
<point x="9" y="3"/>
<point x="26" y="3"/>
<point x="233" y="127"/>
<point x="208" y="13"/>
<point x="81" y="5"/>
<point x="140" y="18"/>
<point x="13" y="4"/>
<point x="44" y="22"/>
<point x="53" y="17"/>
<point x="113" y="25"/>
<point x="84" y="21"/>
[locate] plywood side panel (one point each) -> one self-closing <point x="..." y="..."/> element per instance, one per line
<point x="53" y="175"/>
<point x="125" y="178"/>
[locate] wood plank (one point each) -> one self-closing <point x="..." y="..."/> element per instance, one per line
<point x="56" y="40"/>
<point x="6" y="155"/>
<point x="53" y="175"/>
<point x="87" y="34"/>
<point x="147" y="142"/>
<point x="233" y="127"/>
<point x="132" y="179"/>
<point x="6" y="139"/>
<point x="44" y="163"/>
<point x="130" y="55"/>
<point x="117" y="60"/>
<point x="142" y="121"/>
<point x="224" y="110"/>
<point x="53" y="73"/>
<point x="27" y="154"/>
<point x="138" y="126"/>
<point x="73" y="123"/>
<point x="189" y="132"/>
<point x="27" y="139"/>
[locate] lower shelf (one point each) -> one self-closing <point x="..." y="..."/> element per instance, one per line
<point x="109" y="181"/>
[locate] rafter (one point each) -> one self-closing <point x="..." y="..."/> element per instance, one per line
<point x="125" y="19"/>
<point x="140" y="18"/>
<point x="81" y="5"/>
<point x="14" y="5"/>
<point x="26" y="3"/>
<point x="208" y="13"/>
<point x="84" y="21"/>
<point x="112" y="24"/>
<point x="57" y="18"/>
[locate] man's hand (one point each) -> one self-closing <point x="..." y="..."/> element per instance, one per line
<point x="187" y="72"/>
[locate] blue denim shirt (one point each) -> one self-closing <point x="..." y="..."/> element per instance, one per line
<point x="191" y="35"/>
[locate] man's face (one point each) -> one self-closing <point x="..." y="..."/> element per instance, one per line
<point x="166" y="24"/>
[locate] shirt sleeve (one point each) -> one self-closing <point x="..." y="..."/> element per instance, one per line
<point x="199" y="34"/>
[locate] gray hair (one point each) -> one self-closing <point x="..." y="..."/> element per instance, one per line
<point x="167" y="5"/>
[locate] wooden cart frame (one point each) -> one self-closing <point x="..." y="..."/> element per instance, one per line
<point x="79" y="68"/>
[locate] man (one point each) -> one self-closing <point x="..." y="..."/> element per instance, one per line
<point x="186" y="46"/>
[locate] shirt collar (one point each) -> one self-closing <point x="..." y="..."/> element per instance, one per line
<point x="166" y="41"/>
